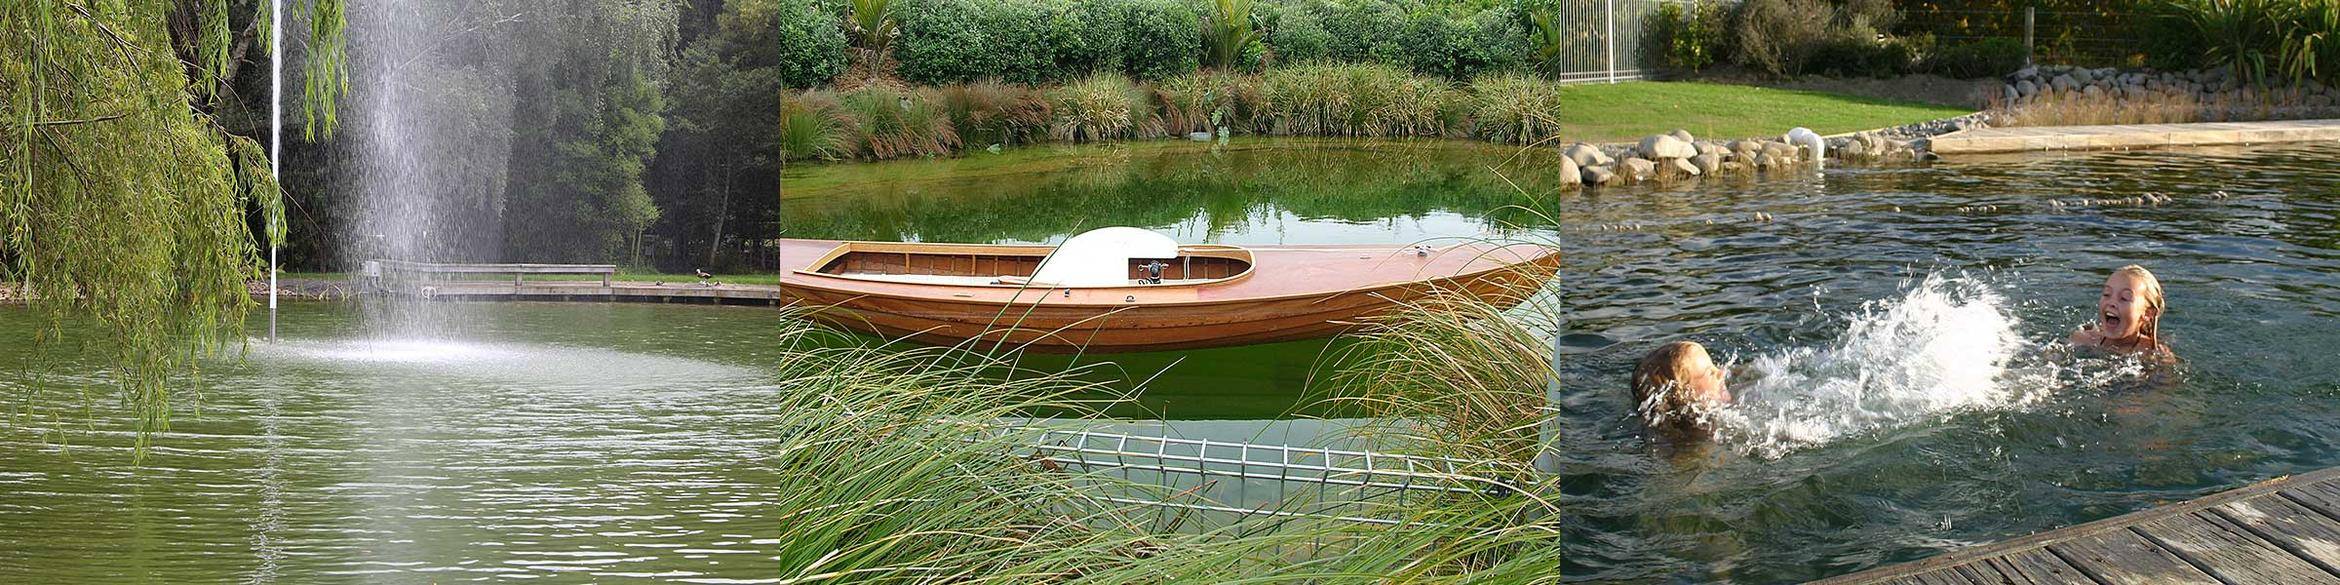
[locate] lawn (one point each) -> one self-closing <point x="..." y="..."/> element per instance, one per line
<point x="622" y="276"/>
<point x="1623" y="112"/>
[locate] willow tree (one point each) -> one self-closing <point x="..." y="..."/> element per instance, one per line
<point x="124" y="206"/>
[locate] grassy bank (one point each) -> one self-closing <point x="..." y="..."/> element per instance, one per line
<point x="1628" y="111"/>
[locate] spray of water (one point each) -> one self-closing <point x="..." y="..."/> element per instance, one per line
<point x="1947" y="345"/>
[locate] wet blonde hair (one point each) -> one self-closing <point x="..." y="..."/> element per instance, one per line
<point x="1659" y="376"/>
<point x="2148" y="290"/>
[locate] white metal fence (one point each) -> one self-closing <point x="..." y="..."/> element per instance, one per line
<point x="1601" y="39"/>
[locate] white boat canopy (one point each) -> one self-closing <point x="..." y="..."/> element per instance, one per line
<point x="1100" y="257"/>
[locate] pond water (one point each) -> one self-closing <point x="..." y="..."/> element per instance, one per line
<point x="1897" y="328"/>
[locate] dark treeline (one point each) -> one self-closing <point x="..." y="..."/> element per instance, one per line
<point x="636" y="132"/>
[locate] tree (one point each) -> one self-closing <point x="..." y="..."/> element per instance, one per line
<point x="715" y="175"/>
<point x="122" y="200"/>
<point x="586" y="123"/>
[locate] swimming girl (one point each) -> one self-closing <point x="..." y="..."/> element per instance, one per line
<point x="1676" y="385"/>
<point x="2128" y="315"/>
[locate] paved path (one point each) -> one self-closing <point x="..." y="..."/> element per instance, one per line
<point x="2129" y="136"/>
<point x="2284" y="530"/>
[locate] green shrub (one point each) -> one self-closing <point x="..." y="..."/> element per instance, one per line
<point x="1502" y="36"/>
<point x="1296" y="35"/>
<point x="2256" y="39"/>
<point x="1455" y="49"/>
<point x="1365" y="31"/>
<point x="1846" y="56"/>
<point x="1160" y="38"/>
<point x="812" y="44"/>
<point x="1515" y="108"/>
<point x="1984" y="58"/>
<point x="1683" y="40"/>
<point x="890" y="122"/>
<point x="944" y="41"/>
<point x="1104" y="106"/>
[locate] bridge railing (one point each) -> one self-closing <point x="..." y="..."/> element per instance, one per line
<point x="378" y="271"/>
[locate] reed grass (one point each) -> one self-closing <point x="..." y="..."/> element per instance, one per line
<point x="896" y="465"/>
<point x="891" y="122"/>
<point x="1103" y="106"/>
<point x="1206" y="100"/>
<point x="813" y="126"/>
<point x="990" y="112"/>
<point x="1513" y="108"/>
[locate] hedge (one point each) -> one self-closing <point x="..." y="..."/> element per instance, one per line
<point x="812" y="44"/>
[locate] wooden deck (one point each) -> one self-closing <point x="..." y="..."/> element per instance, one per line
<point x="2133" y="136"/>
<point x="2280" y="531"/>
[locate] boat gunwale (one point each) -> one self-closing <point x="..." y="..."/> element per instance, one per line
<point x="1250" y="264"/>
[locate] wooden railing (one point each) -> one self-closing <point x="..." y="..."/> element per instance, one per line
<point x="375" y="269"/>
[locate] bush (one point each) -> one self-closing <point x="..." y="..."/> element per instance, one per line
<point x="1296" y="35"/>
<point x="1776" y="36"/>
<point x="1454" y="49"/>
<point x="812" y="126"/>
<point x="1680" y="40"/>
<point x="812" y="44"/>
<point x="1366" y="31"/>
<point x="1847" y="56"/>
<point x="2257" y="39"/>
<point x="943" y="41"/>
<point x="1160" y="38"/>
<point x="1984" y="58"/>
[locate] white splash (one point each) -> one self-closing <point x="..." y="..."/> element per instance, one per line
<point x="1947" y="345"/>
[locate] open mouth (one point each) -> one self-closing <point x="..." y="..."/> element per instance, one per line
<point x="2111" y="321"/>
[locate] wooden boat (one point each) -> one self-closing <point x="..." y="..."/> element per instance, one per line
<point x="1124" y="289"/>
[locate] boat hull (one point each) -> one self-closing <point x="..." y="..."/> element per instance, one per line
<point x="1162" y="319"/>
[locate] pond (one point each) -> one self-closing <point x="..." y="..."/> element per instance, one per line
<point x="1904" y="389"/>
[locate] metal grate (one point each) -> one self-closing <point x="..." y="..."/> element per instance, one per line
<point x="1223" y="481"/>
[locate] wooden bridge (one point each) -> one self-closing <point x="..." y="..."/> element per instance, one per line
<point x="462" y="282"/>
<point x="2280" y="531"/>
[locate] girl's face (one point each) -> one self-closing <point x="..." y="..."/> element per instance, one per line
<point x="1701" y="379"/>
<point x="2121" y="312"/>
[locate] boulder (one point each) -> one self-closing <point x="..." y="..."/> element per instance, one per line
<point x="1598" y="175"/>
<point x="1682" y="135"/>
<point x="2063" y="83"/>
<point x="2093" y="91"/>
<point x="1570" y="171"/>
<point x="1681" y="167"/>
<point x="1853" y="150"/>
<point x="1636" y="169"/>
<point x="2007" y="94"/>
<point x="1708" y="162"/>
<point x="1587" y="155"/>
<point x="1661" y="146"/>
<point x="1779" y="150"/>
<point x="2026" y="88"/>
<point x="1706" y="148"/>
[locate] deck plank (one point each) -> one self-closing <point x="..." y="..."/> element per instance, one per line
<point x="2230" y="552"/>
<point x="2034" y="567"/>
<point x="2122" y="556"/>
<point x="2304" y="532"/>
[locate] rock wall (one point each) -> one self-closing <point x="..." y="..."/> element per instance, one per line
<point x="2213" y="94"/>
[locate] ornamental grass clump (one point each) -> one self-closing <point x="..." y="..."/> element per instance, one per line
<point x="990" y="112"/>
<point x="1104" y="106"/>
<point x="1205" y="101"/>
<point x="916" y="465"/>
<point x="891" y="122"/>
<point x="1515" y="109"/>
<point x="812" y="125"/>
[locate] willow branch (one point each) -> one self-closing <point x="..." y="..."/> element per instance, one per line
<point x="81" y="121"/>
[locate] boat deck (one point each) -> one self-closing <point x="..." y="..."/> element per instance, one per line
<point x="2283" y="530"/>
<point x="1278" y="271"/>
<point x="2133" y="136"/>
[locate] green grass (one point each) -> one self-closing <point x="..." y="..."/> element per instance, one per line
<point x="771" y="279"/>
<point x="1628" y="111"/>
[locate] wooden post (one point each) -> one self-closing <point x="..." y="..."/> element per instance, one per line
<point x="516" y="276"/>
<point x="2029" y="12"/>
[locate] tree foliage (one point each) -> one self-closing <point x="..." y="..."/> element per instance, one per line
<point x="123" y="203"/>
<point x="587" y="122"/>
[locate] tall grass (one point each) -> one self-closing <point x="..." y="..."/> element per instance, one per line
<point x="1204" y="101"/>
<point x="1354" y="100"/>
<point x="1515" y="108"/>
<point x="898" y="465"/>
<point x="1103" y="106"/>
<point x="990" y="112"/>
<point x="890" y="122"/>
<point x="812" y="126"/>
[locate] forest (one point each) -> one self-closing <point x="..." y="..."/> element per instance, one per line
<point x="634" y="132"/>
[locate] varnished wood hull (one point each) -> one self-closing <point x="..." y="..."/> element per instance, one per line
<point x="1107" y="321"/>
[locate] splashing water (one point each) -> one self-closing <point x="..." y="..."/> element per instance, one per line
<point x="1947" y="345"/>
